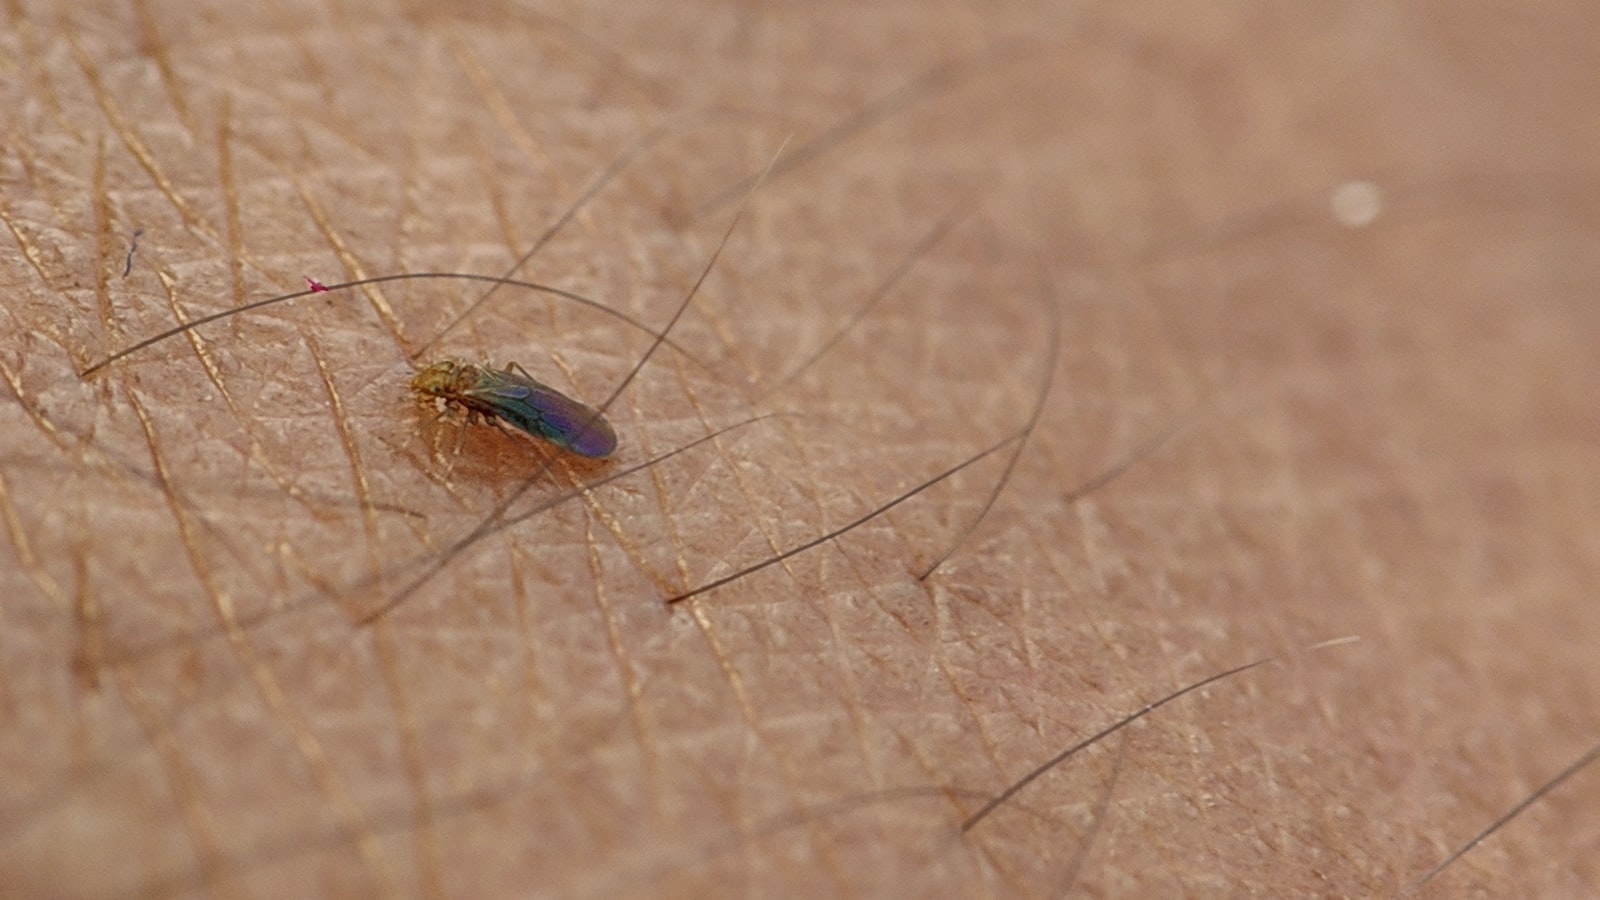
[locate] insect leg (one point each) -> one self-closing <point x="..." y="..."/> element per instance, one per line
<point x="461" y="440"/>
<point x="432" y="421"/>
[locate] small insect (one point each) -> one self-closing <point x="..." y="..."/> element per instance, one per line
<point x="512" y="396"/>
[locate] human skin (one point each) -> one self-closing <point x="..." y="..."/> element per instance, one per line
<point x="1383" y="431"/>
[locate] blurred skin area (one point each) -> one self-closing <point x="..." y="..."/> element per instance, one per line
<point x="1340" y="256"/>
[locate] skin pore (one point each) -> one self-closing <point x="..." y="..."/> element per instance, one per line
<point x="1345" y="413"/>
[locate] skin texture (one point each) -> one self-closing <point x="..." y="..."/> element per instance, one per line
<point x="1384" y="431"/>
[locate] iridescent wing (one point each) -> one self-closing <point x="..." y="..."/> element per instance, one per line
<point x="544" y="412"/>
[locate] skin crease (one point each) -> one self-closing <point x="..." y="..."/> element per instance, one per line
<point x="1392" y="437"/>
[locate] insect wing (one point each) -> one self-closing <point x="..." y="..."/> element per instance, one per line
<point x="545" y="412"/>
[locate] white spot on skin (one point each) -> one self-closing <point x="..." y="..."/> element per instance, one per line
<point x="1357" y="204"/>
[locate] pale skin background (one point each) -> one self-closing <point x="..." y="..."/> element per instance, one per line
<point x="1393" y="437"/>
